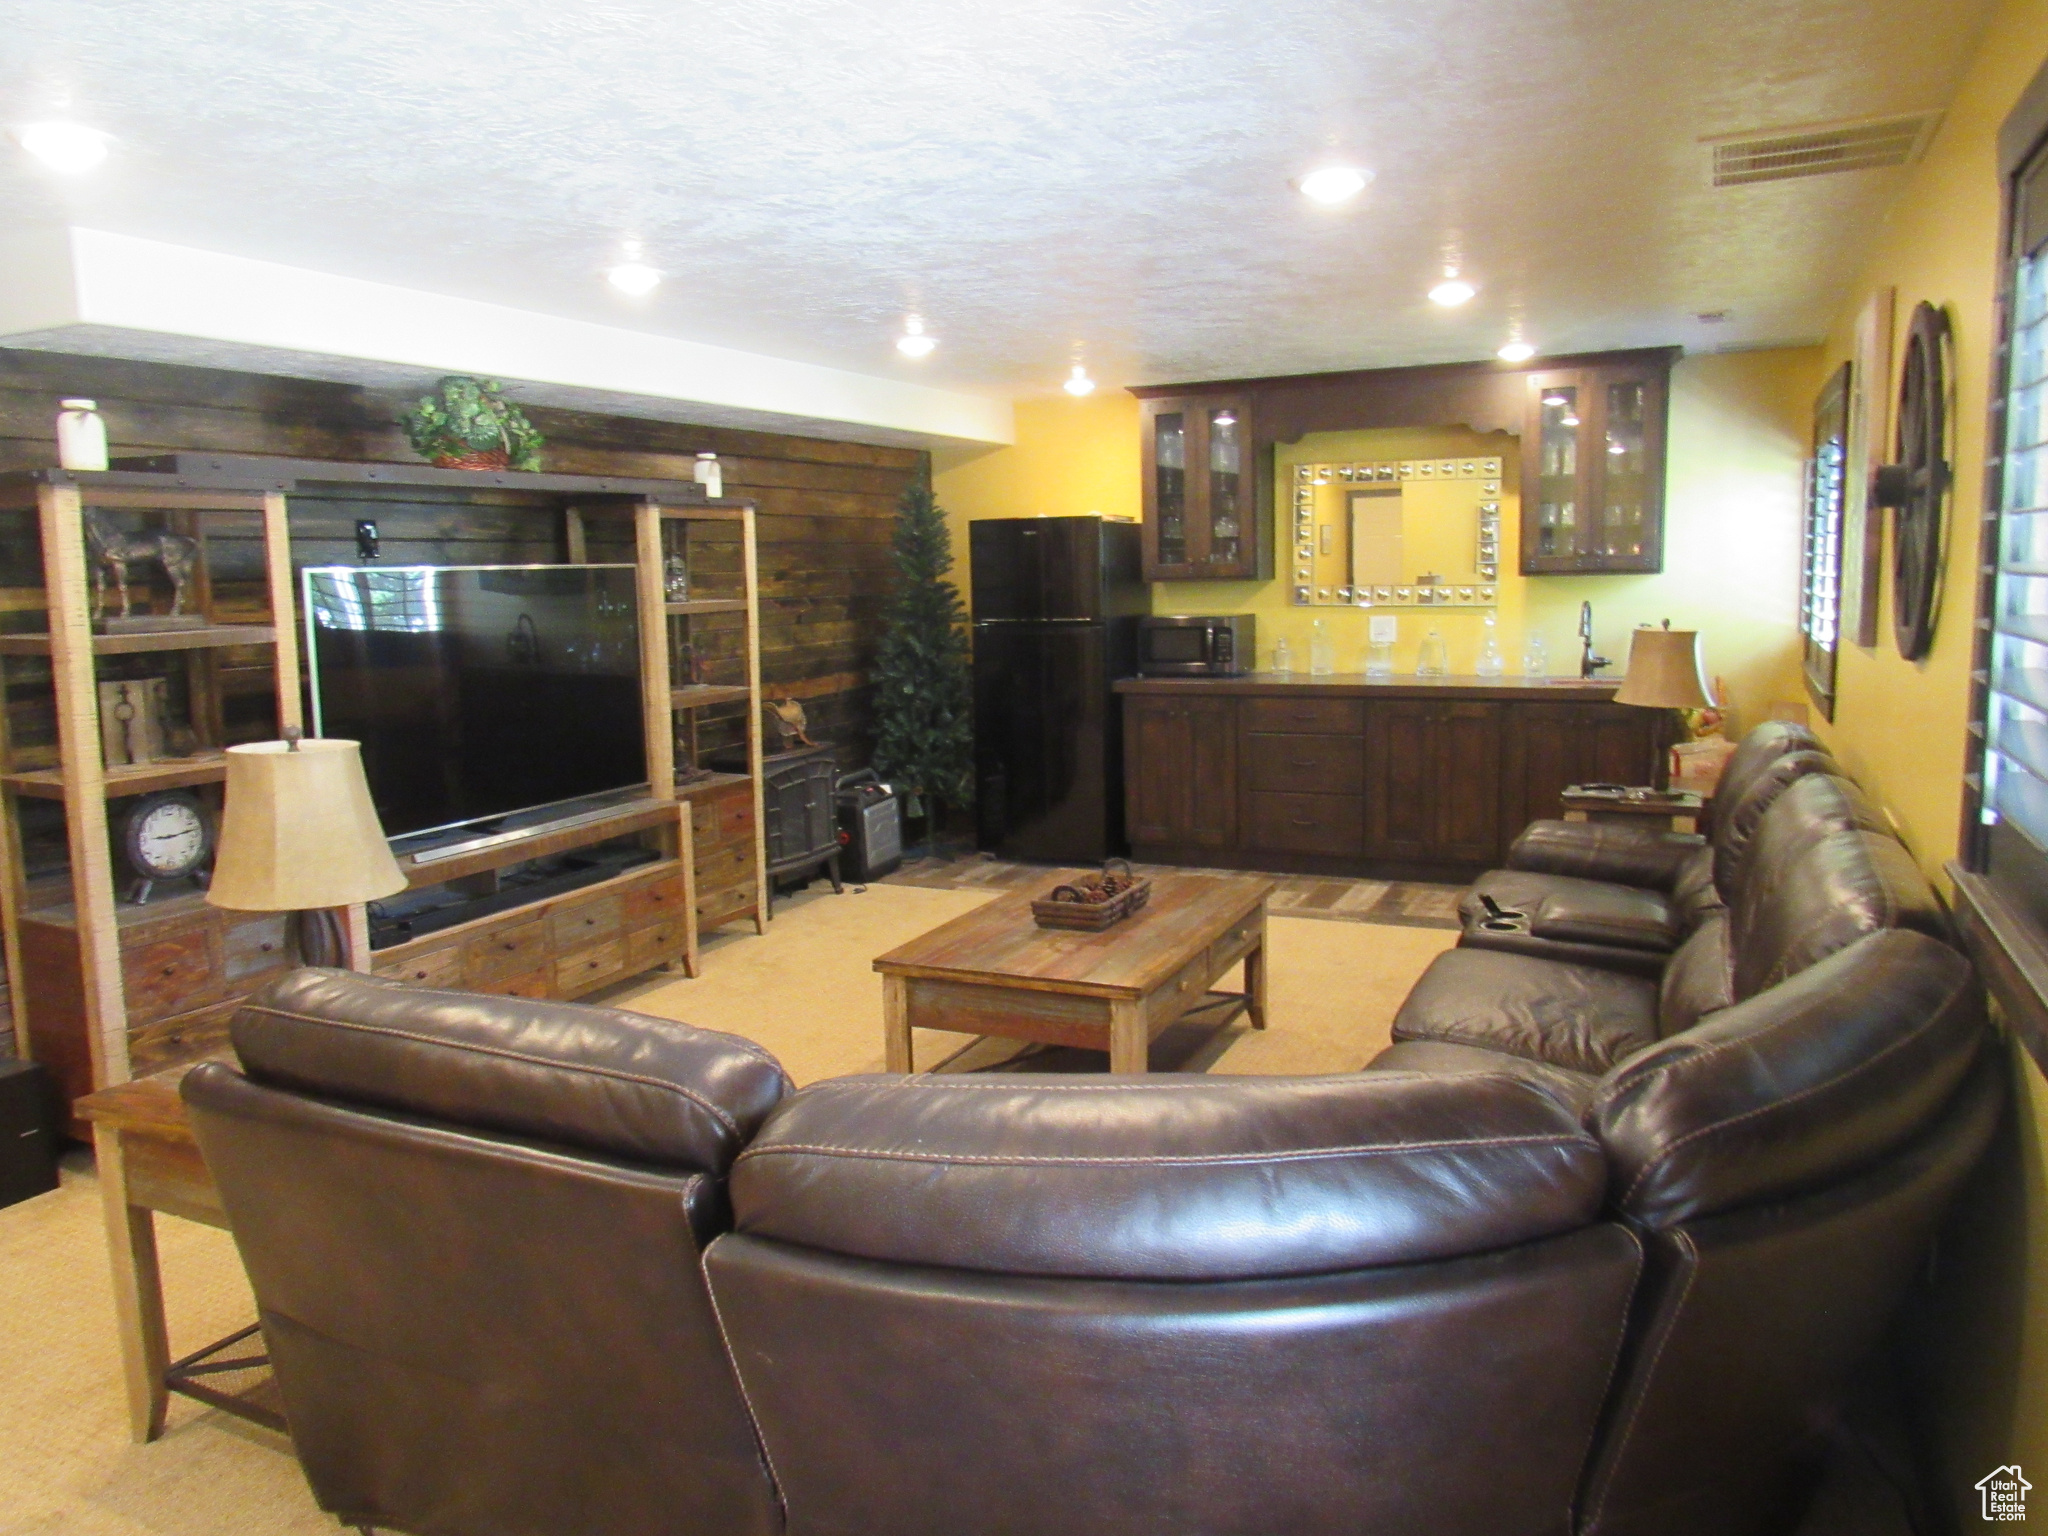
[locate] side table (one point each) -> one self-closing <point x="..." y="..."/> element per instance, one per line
<point x="148" y="1161"/>
<point x="1682" y="810"/>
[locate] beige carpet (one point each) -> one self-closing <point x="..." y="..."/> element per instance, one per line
<point x="805" y="991"/>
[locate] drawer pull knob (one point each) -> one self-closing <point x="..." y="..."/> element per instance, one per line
<point x="1302" y="762"/>
<point x="1299" y="822"/>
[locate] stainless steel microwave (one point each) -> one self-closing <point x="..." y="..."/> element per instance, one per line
<point x="1184" y="645"/>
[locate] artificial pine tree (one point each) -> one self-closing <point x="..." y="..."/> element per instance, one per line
<point x="924" y="737"/>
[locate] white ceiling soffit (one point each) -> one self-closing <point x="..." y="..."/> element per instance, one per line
<point x="88" y="291"/>
<point x="1821" y="149"/>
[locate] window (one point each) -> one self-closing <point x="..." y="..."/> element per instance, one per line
<point x="2006" y="832"/>
<point x="1820" y="576"/>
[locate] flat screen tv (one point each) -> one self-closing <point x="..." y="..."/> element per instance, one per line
<point x="478" y="691"/>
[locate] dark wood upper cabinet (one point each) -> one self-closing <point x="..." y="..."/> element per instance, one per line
<point x="1206" y="516"/>
<point x="1593" y="469"/>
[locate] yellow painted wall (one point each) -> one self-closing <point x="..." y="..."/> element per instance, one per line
<point x="1899" y="726"/>
<point x="1900" y="729"/>
<point x="1738" y="435"/>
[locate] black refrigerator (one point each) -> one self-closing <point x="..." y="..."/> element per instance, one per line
<point x="1056" y="608"/>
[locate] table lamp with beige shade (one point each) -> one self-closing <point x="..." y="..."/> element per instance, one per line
<point x="299" y="834"/>
<point x="1665" y="670"/>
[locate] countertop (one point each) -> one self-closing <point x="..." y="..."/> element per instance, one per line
<point x="1399" y="686"/>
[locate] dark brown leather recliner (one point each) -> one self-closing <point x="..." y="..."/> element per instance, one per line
<point x="1786" y="1162"/>
<point x="1815" y="878"/>
<point x="473" y="1227"/>
<point x="1046" y="1306"/>
<point x="1625" y="897"/>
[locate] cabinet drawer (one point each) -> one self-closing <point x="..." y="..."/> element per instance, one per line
<point x="656" y="900"/>
<point x="535" y="983"/>
<point x="585" y="923"/>
<point x="589" y="968"/>
<point x="651" y="945"/>
<point x="1230" y="948"/>
<point x="721" y="868"/>
<point x="1334" y="717"/>
<point x="1311" y="765"/>
<point x="1333" y="824"/>
<point x="251" y="948"/>
<point x="436" y="968"/>
<point x="714" y="907"/>
<point x="168" y="977"/>
<point x="507" y="952"/>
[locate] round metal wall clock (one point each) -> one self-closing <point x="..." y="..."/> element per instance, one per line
<point x="165" y="836"/>
<point x="1917" y="485"/>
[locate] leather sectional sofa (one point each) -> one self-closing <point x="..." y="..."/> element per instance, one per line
<point x="1596" y="1259"/>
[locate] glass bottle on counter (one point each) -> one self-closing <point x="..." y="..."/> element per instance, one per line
<point x="1490" y="662"/>
<point x="1433" y="660"/>
<point x="1535" y="659"/>
<point x="1379" y="658"/>
<point x="1322" y="650"/>
<point x="1283" y="658"/>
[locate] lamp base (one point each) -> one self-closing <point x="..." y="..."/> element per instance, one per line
<point x="321" y="940"/>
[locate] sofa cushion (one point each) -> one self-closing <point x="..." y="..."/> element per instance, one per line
<point x="1167" y="1178"/>
<point x="1699" y="980"/>
<point x="1842" y="886"/>
<point x="1736" y="821"/>
<point x="1804" y="1083"/>
<point x="1573" y="1090"/>
<point x="600" y="1079"/>
<point x="1574" y="1016"/>
<point x="1756" y="752"/>
<point x="1801" y="816"/>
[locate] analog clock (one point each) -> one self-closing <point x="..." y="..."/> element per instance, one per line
<point x="165" y="836"/>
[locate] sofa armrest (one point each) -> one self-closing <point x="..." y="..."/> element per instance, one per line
<point x="1167" y="1178"/>
<point x="1596" y="850"/>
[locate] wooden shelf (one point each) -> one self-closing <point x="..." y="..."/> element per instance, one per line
<point x="214" y="637"/>
<point x="708" y="605"/>
<point x="705" y="786"/>
<point x="697" y="695"/>
<point x="707" y="514"/>
<point x="538" y="843"/>
<point x="128" y="779"/>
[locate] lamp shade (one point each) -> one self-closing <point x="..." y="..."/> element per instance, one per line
<point x="1665" y="671"/>
<point x="299" y="831"/>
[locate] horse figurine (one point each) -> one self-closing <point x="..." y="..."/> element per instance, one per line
<point x="113" y="550"/>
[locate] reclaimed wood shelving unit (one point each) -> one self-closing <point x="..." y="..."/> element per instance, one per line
<point x="102" y="987"/>
<point x="726" y="809"/>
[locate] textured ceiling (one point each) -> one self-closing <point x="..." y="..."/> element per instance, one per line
<point x="1042" y="183"/>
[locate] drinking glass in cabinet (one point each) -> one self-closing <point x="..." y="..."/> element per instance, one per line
<point x="1170" y="462"/>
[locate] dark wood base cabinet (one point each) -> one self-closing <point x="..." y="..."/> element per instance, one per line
<point x="1341" y="776"/>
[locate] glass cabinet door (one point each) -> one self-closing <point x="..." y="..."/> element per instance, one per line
<point x="1169" y="507"/>
<point x="1202" y="519"/>
<point x="1555" y="493"/>
<point x="1624" y="471"/>
<point x="1227" y="486"/>
<point x="1593" y="470"/>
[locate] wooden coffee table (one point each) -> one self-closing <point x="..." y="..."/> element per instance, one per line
<point x="996" y="972"/>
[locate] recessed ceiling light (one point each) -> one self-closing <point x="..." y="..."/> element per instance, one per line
<point x="635" y="277"/>
<point x="913" y="342"/>
<point x="1553" y="398"/>
<point x="1568" y="420"/>
<point x="1333" y="184"/>
<point x="1078" y="383"/>
<point x="1452" y="291"/>
<point x="66" y="147"/>
<point x="1517" y="352"/>
<point x="1616" y="447"/>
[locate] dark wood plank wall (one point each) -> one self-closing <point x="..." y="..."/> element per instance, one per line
<point x="826" y="511"/>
